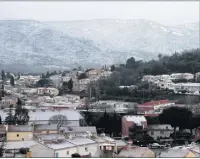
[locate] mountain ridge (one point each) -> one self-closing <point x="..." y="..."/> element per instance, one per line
<point x="93" y="42"/>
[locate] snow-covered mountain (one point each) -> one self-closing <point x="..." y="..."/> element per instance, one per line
<point x="34" y="44"/>
<point x="133" y="35"/>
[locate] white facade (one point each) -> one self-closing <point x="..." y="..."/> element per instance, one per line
<point x="50" y="91"/>
<point x="191" y="87"/>
<point x="161" y="131"/>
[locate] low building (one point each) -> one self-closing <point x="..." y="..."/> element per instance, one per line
<point x="46" y="128"/>
<point x="190" y="87"/>
<point x="19" y="133"/>
<point x="158" y="131"/>
<point x="129" y="121"/>
<point x="154" y="107"/>
<point x="65" y="148"/>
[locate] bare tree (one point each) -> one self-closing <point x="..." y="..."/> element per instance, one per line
<point x="58" y="119"/>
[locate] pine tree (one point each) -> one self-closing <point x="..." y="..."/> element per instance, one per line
<point x="18" y="76"/>
<point x="0" y="120"/>
<point x="3" y="75"/>
<point x="12" y="81"/>
<point x="70" y="85"/>
<point x="47" y="74"/>
<point x="21" y="116"/>
<point x="10" y="118"/>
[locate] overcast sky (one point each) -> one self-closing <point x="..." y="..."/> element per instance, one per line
<point x="167" y="13"/>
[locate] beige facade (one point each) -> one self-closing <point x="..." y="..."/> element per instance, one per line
<point x="19" y="136"/>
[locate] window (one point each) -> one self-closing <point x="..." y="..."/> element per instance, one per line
<point x="17" y="135"/>
<point x="161" y="132"/>
<point x="67" y="152"/>
<point x="152" y="133"/>
<point x="86" y="149"/>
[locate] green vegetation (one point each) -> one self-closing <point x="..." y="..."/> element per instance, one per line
<point x="132" y="72"/>
<point x="20" y="116"/>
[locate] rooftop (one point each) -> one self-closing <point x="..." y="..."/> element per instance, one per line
<point x="81" y="141"/>
<point x="91" y="129"/>
<point x="160" y="127"/>
<point x="20" y="128"/>
<point x="19" y="144"/>
<point x="135" y="118"/>
<point x="174" y="152"/>
<point x="50" y="137"/>
<point x="40" y="127"/>
<point x="60" y="145"/>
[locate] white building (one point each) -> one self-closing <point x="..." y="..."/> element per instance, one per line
<point x="191" y="87"/>
<point x="65" y="148"/>
<point x="160" y="131"/>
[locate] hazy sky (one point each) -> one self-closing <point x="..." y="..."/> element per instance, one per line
<point x="167" y="13"/>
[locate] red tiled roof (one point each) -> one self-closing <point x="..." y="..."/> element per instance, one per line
<point x="153" y="103"/>
<point x="151" y="114"/>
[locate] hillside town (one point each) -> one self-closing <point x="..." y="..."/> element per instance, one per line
<point x="62" y="115"/>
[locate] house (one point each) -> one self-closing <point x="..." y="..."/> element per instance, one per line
<point x="2" y="132"/>
<point x="154" y="107"/>
<point x="129" y="121"/>
<point x="197" y="134"/>
<point x="136" y="152"/>
<point x="197" y="76"/>
<point x="93" y="72"/>
<point x="49" y="137"/>
<point x="14" y="146"/>
<point x="53" y="149"/>
<point x="46" y="128"/>
<point x="81" y="85"/>
<point x="65" y="148"/>
<point x="178" y="76"/>
<point x="79" y="131"/>
<point x="7" y="101"/>
<point x="19" y="133"/>
<point x="190" y="87"/>
<point x="49" y="91"/>
<point x="177" y="152"/>
<point x="158" y="131"/>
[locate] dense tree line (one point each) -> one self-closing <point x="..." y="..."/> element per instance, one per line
<point x="132" y="72"/>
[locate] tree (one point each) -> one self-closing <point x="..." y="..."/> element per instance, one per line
<point x="21" y="116"/>
<point x="10" y="117"/>
<point x="130" y="63"/>
<point x="18" y="76"/>
<point x="176" y="117"/>
<point x="63" y="74"/>
<point x="76" y="155"/>
<point x="3" y="75"/>
<point x="47" y="74"/>
<point x="8" y="75"/>
<point x="82" y="76"/>
<point x="58" y="119"/>
<point x="115" y="128"/>
<point x="112" y="68"/>
<point x="44" y="82"/>
<point x="70" y="85"/>
<point x="12" y="81"/>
